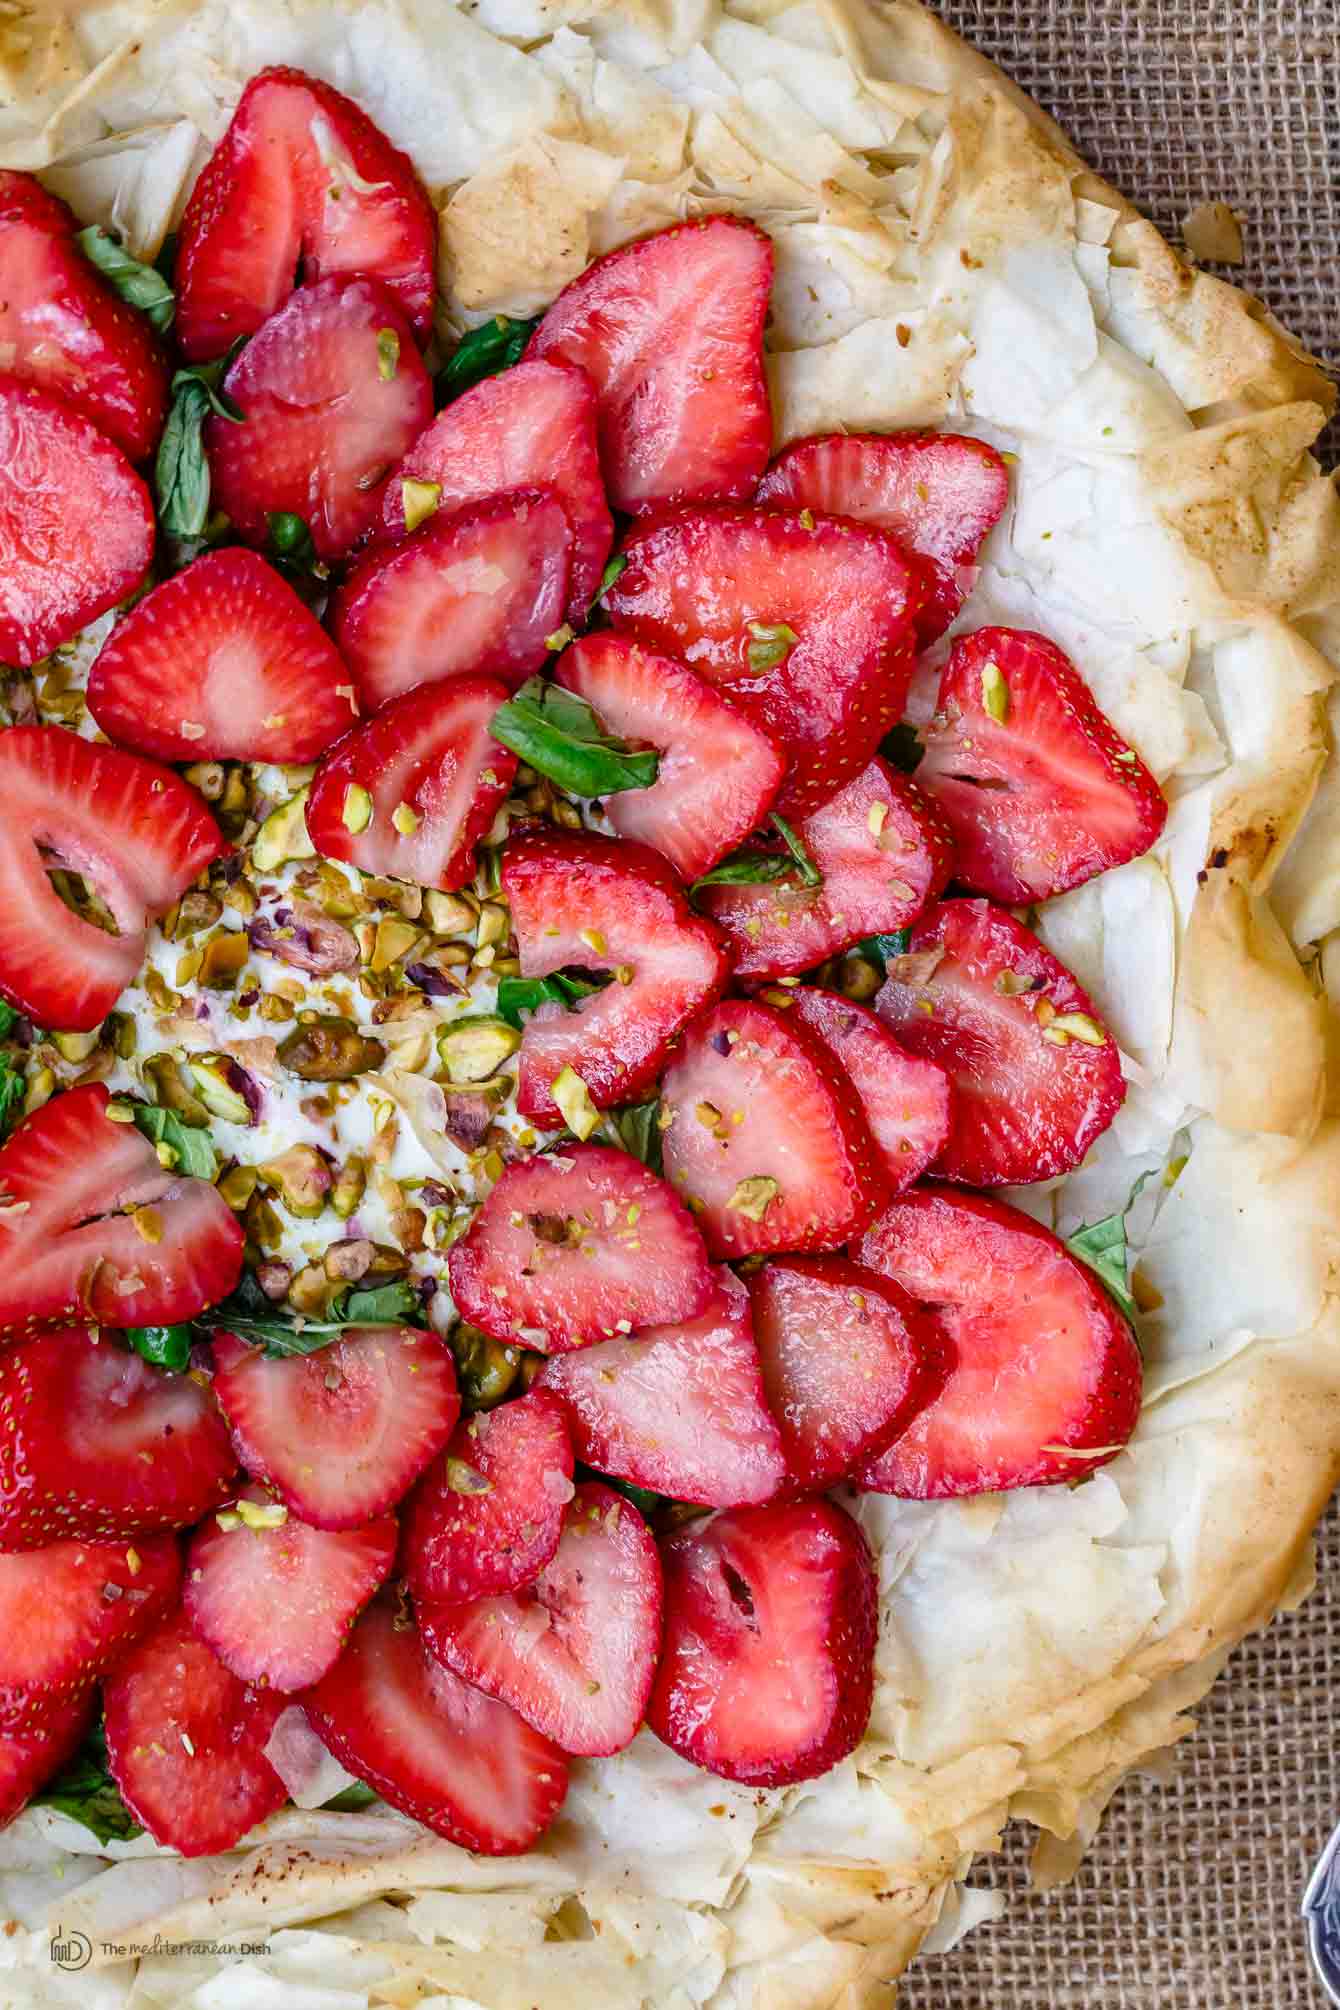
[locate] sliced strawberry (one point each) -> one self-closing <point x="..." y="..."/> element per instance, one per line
<point x="67" y="1612"/>
<point x="883" y="854"/>
<point x="96" y="1444"/>
<point x="76" y="524"/>
<point x="474" y="590"/>
<point x="574" y="1652"/>
<point x="302" y="179"/>
<point x="576" y="1246"/>
<point x="1037" y="785"/>
<point x="341" y="1434"/>
<point x="805" y="624"/>
<point x="530" y="427"/>
<point x="28" y="1759"/>
<point x="670" y="329"/>
<point x="765" y="1137"/>
<point x="63" y="329"/>
<point x="332" y="392"/>
<point x="93" y="1228"/>
<point x="718" y="774"/>
<point x="222" y="662"/>
<point x="488" y="1513"/>
<point x="1045" y="1375"/>
<point x="768" y="1668"/>
<point x="679" y="1409"/>
<point x="411" y="792"/>
<point x="464" y="1765"/>
<point x="937" y="493"/>
<point x="186" y="1743"/>
<point x="906" y="1099"/>
<point x="611" y="907"/>
<point x="1035" y="1076"/>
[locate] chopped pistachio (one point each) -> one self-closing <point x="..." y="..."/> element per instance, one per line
<point x="393" y="941"/>
<point x="485" y="1368"/>
<point x="170" y="1090"/>
<point x="995" y="692"/>
<point x="313" y="1293"/>
<point x="263" y="1226"/>
<point x="327" y="1048"/>
<point x="121" y="1033"/>
<point x="301" y="1179"/>
<point x="464" y="1478"/>
<point x="213" y="1075"/>
<point x="475" y="1048"/>
<point x="283" y="835"/>
<point x="74" y="1047"/>
<point x="261" y="1514"/>
<point x="753" y="1197"/>
<point x="350" y="1183"/>
<point x="210" y="777"/>
<point x="419" y="500"/>
<point x="41" y="1088"/>
<point x="559" y="639"/>
<point x="195" y="910"/>
<point x="859" y="979"/>
<point x="449" y="913"/>
<point x="237" y="1186"/>
<point x="241" y="898"/>
<point x="357" y="811"/>
<point x="567" y="815"/>
<point x="405" y="819"/>
<point x="573" y="1099"/>
<point x="224" y="959"/>
<point x="388" y="354"/>
<point x="1077" y="1026"/>
<point x="772" y="643"/>
<point x="494" y="925"/>
<point x="275" y="1010"/>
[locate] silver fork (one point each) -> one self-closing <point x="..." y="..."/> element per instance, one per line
<point x="1321" y="1912"/>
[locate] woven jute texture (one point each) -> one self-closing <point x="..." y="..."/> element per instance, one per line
<point x="1189" y="1900"/>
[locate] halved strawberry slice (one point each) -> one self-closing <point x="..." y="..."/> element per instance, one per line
<point x="222" y="662"/>
<point x="341" y="1434"/>
<point x="76" y="523"/>
<point x="93" y="1228"/>
<point x="1036" y="1077"/>
<point x="474" y="590"/>
<point x="186" y="1743"/>
<point x="99" y="1445"/>
<point x="332" y="392"/>
<point x="679" y="1409"/>
<point x="464" y="1765"/>
<point x="574" y="1652"/>
<point x="63" y="329"/>
<point x="906" y="1099"/>
<point x="302" y="183"/>
<point x="804" y="623"/>
<point x="488" y="1513"/>
<point x="848" y="1361"/>
<point x="530" y="427"/>
<point x="275" y="1602"/>
<point x="1037" y="785"/>
<point x="67" y="1612"/>
<point x="617" y="908"/>
<point x="883" y="853"/>
<point x="28" y="1759"/>
<point x="670" y="329"/>
<point x="1045" y="1375"/>
<point x="768" y="1669"/>
<point x="576" y="1246"/>
<point x="136" y="833"/>
<point x="765" y="1137"/>
<point x="937" y="493"/>
<point x="411" y="792"/>
<point x="718" y="774"/>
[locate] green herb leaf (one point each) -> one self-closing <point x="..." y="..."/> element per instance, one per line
<point x="523" y="994"/>
<point x="13" y="1089"/>
<point x="614" y="570"/>
<point x="881" y="949"/>
<point x="85" y="1790"/>
<point x="644" y="1500"/>
<point x="772" y="644"/>
<point x="350" y="1799"/>
<point x="764" y="868"/>
<point x="289" y="535"/>
<point x="636" y="1129"/>
<point x="1102" y="1246"/>
<point x="193" y="1150"/>
<point x="901" y="748"/>
<point x="165" y="1346"/>
<point x="561" y="737"/>
<point x="142" y="286"/>
<point x="482" y="353"/>
<point x="9" y="1019"/>
<point x="396" y="1304"/>
<point x="181" y="471"/>
<point x="280" y="1334"/>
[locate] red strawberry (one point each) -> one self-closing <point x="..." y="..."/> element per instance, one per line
<point x="477" y="589"/>
<point x="341" y="1434"/>
<point x="768" y="1668"/>
<point x="937" y="493"/>
<point x="67" y="1612"/>
<point x="98" y="1445"/>
<point x="1044" y="1383"/>
<point x="186" y="1743"/>
<point x="612" y="907"/>
<point x="76" y="524"/>
<point x="28" y="1759"/>
<point x="93" y="1228"/>
<point x="455" y="1760"/>
<point x="488" y="1513"/>
<point x="679" y="1409"/>
<point x="222" y="662"/>
<point x="1036" y="1078"/>
<point x="804" y="623"/>
<point x="276" y="1603"/>
<point x="138" y="835"/>
<point x="576" y="1246"/>
<point x="301" y="179"/>
<point x="332" y="392"/>
<point x="411" y="792"/>
<point x="765" y="1135"/>
<point x="530" y="427"/>
<point x="718" y="774"/>
<point x="906" y="1099"/>
<point x="63" y="329"/>
<point x="671" y="331"/>
<point x="848" y="1361"/>
<point x="1037" y="784"/>
<point x="883" y="853"/>
<point x="574" y="1652"/>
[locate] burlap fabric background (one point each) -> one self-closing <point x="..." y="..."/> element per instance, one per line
<point x="1190" y="1898"/>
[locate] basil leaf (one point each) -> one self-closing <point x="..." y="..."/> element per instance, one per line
<point x="165" y="1346"/>
<point x="901" y="748"/>
<point x="396" y="1304"/>
<point x="141" y="286"/>
<point x="881" y="949"/>
<point x="193" y="1150"/>
<point x="810" y="874"/>
<point x="482" y="353"/>
<point x="561" y="737"/>
<point x="181" y="471"/>
<point x="281" y="1334"/>
<point x="636" y="1129"/>
<point x="614" y="570"/>
<point x="85" y="1790"/>
<point x="350" y="1799"/>
<point x="289" y="535"/>
<point x="763" y="868"/>
<point x="522" y="994"/>
<point x="772" y="643"/>
<point x="13" y="1089"/>
<point x="644" y="1500"/>
<point x="9" y="1019"/>
<point x="1102" y="1245"/>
